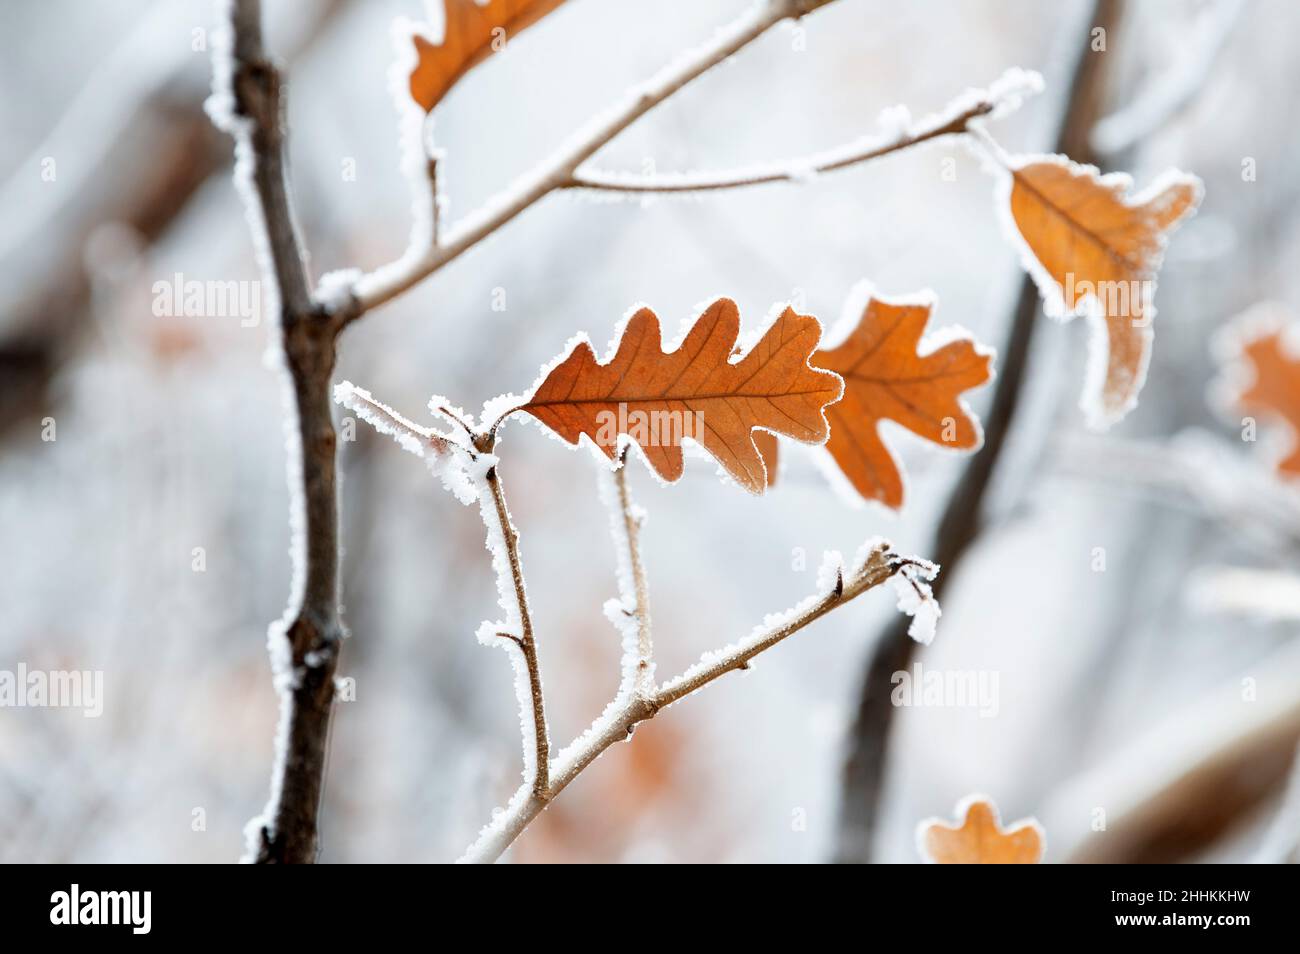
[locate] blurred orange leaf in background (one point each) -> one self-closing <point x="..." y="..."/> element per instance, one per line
<point x="471" y="33"/>
<point x="1275" y="387"/>
<point x="980" y="839"/>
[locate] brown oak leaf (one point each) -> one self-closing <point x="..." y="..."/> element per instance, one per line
<point x="1095" y="250"/>
<point x="979" y="838"/>
<point x="472" y="31"/>
<point x="1270" y="381"/>
<point x="702" y="390"/>
<point x="886" y="377"/>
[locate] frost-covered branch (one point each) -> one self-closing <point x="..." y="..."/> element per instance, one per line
<point x="879" y="565"/>
<point x="247" y="102"/>
<point x="790" y="170"/>
<point x="876" y="564"/>
<point x="469" y="471"/>
<point x="630" y="613"/>
<point x="423" y="259"/>
<point x="503" y="542"/>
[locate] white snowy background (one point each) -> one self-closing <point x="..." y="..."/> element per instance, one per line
<point x="169" y="435"/>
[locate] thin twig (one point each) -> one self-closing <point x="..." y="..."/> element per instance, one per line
<point x="627" y="524"/>
<point x="386" y="419"/>
<point x="629" y="710"/>
<point x="525" y="641"/>
<point x="789" y="171"/>
<point x="387" y="282"/>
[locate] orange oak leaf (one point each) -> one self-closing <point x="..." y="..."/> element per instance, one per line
<point x="980" y="839"/>
<point x="886" y="377"/>
<point x="702" y="390"/>
<point x="1092" y="249"/>
<point x="471" y="32"/>
<point x="1270" y="382"/>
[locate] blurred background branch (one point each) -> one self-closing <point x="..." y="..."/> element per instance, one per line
<point x="963" y="518"/>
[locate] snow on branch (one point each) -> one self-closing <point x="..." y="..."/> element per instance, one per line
<point x="247" y="101"/>
<point x="630" y="613"/>
<point x="897" y="132"/>
<point x="836" y="587"/>
<point x="515" y="633"/>
<point x="448" y="458"/>
<point x="470" y="473"/>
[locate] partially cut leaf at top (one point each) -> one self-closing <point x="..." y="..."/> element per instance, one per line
<point x="1094" y="249"/>
<point x="700" y="391"/>
<point x="979" y="838"/>
<point x="471" y="32"/>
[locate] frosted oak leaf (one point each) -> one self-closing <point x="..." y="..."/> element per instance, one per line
<point x="1093" y="249"/>
<point x="890" y="374"/>
<point x="703" y="390"/>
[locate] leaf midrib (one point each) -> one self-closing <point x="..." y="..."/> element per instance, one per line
<point x="1076" y="225"/>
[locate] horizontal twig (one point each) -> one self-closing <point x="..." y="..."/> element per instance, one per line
<point x="791" y="170"/>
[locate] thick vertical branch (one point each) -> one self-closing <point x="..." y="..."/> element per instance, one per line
<point x="305" y="645"/>
<point x="962" y="519"/>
